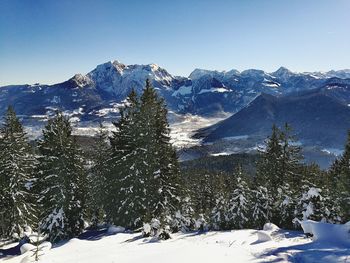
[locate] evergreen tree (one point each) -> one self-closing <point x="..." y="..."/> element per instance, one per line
<point x="127" y="185"/>
<point x="261" y="206"/>
<point x="17" y="208"/>
<point x="62" y="181"/>
<point x="279" y="171"/>
<point x="291" y="174"/>
<point x="269" y="173"/>
<point x="220" y="193"/>
<point x="207" y="191"/>
<point x="239" y="202"/>
<point x="311" y="204"/>
<point x="97" y="197"/>
<point x="314" y="200"/>
<point x="340" y="181"/>
<point x="146" y="169"/>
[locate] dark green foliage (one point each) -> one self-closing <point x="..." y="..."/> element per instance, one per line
<point x="145" y="181"/>
<point x="17" y="208"/>
<point x="97" y="178"/>
<point x="62" y="181"/>
<point x="226" y="163"/>
<point x="340" y="181"/>
<point x="135" y="181"/>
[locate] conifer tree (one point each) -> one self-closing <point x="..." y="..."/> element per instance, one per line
<point x="291" y="174"/>
<point x="340" y="181"/>
<point x="279" y="171"/>
<point x="97" y="196"/>
<point x="311" y="204"/>
<point x="62" y="181"/>
<point x="261" y="206"/>
<point x="127" y="185"/>
<point x="269" y="173"/>
<point x="239" y="201"/>
<point x="221" y="193"/>
<point x="16" y="178"/>
<point x="164" y="173"/>
<point x="145" y="166"/>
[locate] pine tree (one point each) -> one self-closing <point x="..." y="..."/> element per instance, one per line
<point x="97" y="197"/>
<point x="291" y="174"/>
<point x="314" y="200"/>
<point x="279" y="171"/>
<point x="145" y="165"/>
<point x="127" y="185"/>
<point x="340" y="181"/>
<point x="62" y="181"/>
<point x="261" y="206"/>
<point x="16" y="178"/>
<point x="239" y="201"/>
<point x="165" y="179"/>
<point x="291" y="157"/>
<point x="207" y="190"/>
<point x="269" y="173"/>
<point x="218" y="217"/>
<point x="311" y="204"/>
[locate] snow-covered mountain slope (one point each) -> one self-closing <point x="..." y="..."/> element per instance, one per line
<point x="203" y="98"/>
<point x="204" y="92"/>
<point x="241" y="246"/>
<point x="117" y="79"/>
<point x="319" y="117"/>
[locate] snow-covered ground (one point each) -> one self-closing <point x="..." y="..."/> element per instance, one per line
<point x="229" y="246"/>
<point x="182" y="127"/>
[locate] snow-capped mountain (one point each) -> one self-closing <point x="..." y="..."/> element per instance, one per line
<point x="319" y="117"/>
<point x="116" y="79"/>
<point x="99" y="93"/>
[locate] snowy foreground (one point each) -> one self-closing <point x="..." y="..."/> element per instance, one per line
<point x="272" y="245"/>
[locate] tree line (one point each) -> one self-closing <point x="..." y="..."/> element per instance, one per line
<point x="133" y="179"/>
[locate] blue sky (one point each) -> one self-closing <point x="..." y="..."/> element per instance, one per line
<point x="48" y="41"/>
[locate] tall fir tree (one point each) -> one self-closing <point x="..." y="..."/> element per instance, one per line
<point x="261" y="206"/>
<point x="238" y="212"/>
<point x="269" y="172"/>
<point x="62" y="181"/>
<point x="280" y="172"/>
<point x="97" y="178"/>
<point x="145" y="165"/>
<point x="127" y="187"/>
<point x="163" y="167"/>
<point x="17" y="162"/>
<point x="340" y="181"/>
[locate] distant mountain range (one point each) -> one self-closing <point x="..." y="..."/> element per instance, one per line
<point x="316" y="104"/>
<point x="319" y="117"/>
<point x="99" y="93"/>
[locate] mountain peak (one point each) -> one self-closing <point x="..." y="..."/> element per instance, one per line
<point x="282" y="70"/>
<point x="81" y="80"/>
<point x="282" y="73"/>
<point x="154" y="67"/>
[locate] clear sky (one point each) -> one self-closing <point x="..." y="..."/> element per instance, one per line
<point x="48" y="41"/>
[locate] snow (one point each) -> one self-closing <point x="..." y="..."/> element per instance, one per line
<point x="271" y="85"/>
<point x="333" y="151"/>
<point x="182" y="127"/>
<point x="45" y="246"/>
<point x="213" y="90"/>
<point x="329" y="233"/>
<point x="183" y="90"/>
<point x="226" y="246"/>
<point x="271" y="227"/>
<point x="115" y="229"/>
<point x="222" y="153"/>
<point x="238" y="137"/>
<point x="263" y="236"/>
<point x="27" y="247"/>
